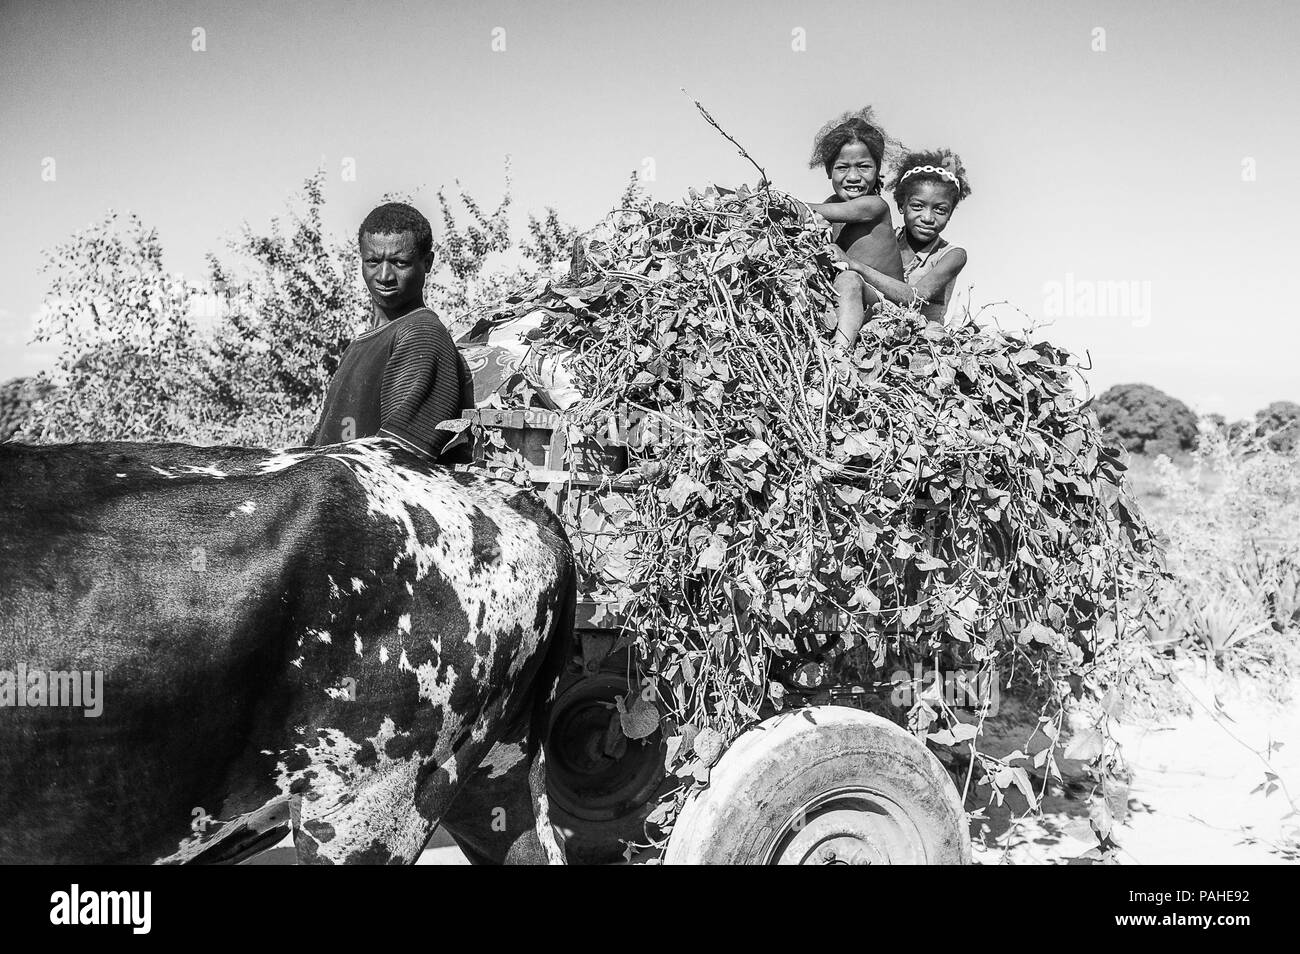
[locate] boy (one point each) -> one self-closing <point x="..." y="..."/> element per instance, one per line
<point x="404" y="376"/>
<point x="851" y="150"/>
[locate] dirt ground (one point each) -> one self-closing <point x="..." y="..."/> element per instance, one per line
<point x="1195" y="793"/>
<point x="1189" y="799"/>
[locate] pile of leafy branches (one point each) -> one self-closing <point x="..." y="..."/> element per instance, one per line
<point x="942" y="489"/>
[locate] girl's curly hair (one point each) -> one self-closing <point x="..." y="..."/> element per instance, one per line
<point x="857" y="126"/>
<point x="944" y="159"/>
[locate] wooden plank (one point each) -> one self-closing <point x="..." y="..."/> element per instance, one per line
<point x="586" y="612"/>
<point x="518" y="418"/>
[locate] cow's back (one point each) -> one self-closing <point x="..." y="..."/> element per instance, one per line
<point x="342" y="630"/>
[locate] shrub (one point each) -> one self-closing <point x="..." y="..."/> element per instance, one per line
<point x="288" y="308"/>
<point x="247" y="357"/>
<point x="1280" y="424"/>
<point x="127" y="346"/>
<point x="479" y="262"/>
<point x="549" y="240"/>
<point x="17" y="395"/>
<point x="1233" y="529"/>
<point x="1146" y="420"/>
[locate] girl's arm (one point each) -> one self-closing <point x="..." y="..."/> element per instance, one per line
<point x="901" y="293"/>
<point x="868" y="208"/>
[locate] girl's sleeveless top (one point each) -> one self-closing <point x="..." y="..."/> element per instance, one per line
<point x="919" y="266"/>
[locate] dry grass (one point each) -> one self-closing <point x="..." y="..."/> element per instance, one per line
<point x="1229" y="517"/>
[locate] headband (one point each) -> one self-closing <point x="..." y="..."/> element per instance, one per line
<point x="938" y="170"/>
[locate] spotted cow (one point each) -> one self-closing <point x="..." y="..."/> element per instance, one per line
<point x="343" y="642"/>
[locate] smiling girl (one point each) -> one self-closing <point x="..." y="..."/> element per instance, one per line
<point x="851" y="149"/>
<point x="927" y="188"/>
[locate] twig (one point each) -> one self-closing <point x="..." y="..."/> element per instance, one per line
<point x="763" y="183"/>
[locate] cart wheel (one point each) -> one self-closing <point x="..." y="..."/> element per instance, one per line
<point x="824" y="785"/>
<point x="601" y="790"/>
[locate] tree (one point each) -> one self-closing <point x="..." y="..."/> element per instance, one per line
<point x="17" y="397"/>
<point x="138" y="362"/>
<point x="549" y="240"/>
<point x="141" y="359"/>
<point x="289" y="321"/>
<point x="634" y="194"/>
<point x="1219" y="424"/>
<point x="1280" y="422"/>
<point x="127" y="346"/>
<point x="1146" y="420"/>
<point x="478" y="262"/>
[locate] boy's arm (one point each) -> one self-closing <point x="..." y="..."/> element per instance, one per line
<point x="931" y="284"/>
<point x="867" y="209"/>
<point x="901" y="293"/>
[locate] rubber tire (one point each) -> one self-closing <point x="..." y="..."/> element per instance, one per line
<point x="790" y="759"/>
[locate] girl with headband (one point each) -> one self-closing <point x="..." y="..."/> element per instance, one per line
<point x="927" y="187"/>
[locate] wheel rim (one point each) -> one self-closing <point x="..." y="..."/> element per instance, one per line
<point x="847" y="826"/>
<point x="586" y="778"/>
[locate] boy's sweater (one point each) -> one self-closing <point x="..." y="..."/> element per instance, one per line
<point x="399" y="380"/>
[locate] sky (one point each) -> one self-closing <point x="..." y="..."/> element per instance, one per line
<point x="1134" y="165"/>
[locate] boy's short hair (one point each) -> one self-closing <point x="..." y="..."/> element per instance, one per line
<point x="857" y="126"/>
<point x="393" y="218"/>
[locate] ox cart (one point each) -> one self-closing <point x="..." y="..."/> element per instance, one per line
<point x="824" y="781"/>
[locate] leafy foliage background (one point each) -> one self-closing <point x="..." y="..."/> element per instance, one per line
<point x="243" y="356"/>
<point x="1279" y="424"/>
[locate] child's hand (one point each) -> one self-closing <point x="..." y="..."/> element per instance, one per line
<point x="836" y="255"/>
<point x="802" y="214"/>
<point x="806" y="216"/>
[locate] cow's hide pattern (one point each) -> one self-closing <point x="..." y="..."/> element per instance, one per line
<point x="336" y="640"/>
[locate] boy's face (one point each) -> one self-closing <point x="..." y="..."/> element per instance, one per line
<point x="394" y="271"/>
<point x="927" y="210"/>
<point x="854" y="173"/>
